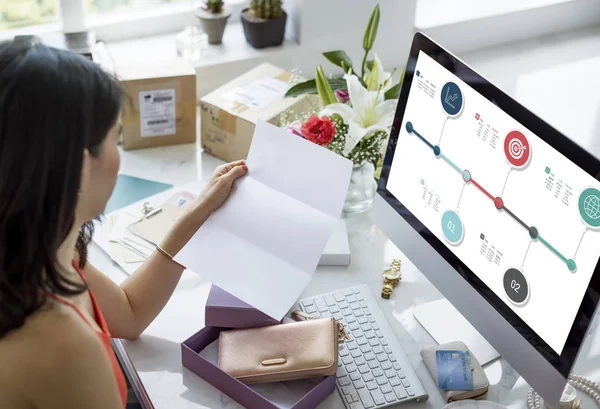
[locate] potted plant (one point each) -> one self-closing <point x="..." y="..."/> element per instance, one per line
<point x="264" y="23"/>
<point x="213" y="17"/>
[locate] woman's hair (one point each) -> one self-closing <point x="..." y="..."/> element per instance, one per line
<point x="54" y="104"/>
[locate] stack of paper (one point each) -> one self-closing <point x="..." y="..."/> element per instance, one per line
<point x="264" y="244"/>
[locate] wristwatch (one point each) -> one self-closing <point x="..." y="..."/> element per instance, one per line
<point x="391" y="277"/>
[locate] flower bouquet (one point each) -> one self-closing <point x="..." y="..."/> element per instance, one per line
<point x="353" y="116"/>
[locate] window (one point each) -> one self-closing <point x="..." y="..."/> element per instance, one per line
<point x="21" y="13"/>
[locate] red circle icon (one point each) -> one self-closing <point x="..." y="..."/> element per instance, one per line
<point x="517" y="149"/>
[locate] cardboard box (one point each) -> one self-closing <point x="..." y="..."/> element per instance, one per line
<point x="229" y="114"/>
<point x="161" y="108"/>
<point x="302" y="394"/>
<point x="224" y="310"/>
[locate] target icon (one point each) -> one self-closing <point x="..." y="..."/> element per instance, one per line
<point x="517" y="149"/>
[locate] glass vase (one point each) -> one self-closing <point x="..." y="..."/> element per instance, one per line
<point x="361" y="191"/>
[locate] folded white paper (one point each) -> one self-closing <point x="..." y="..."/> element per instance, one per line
<point x="264" y="244"/>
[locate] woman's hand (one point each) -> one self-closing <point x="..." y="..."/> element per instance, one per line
<point x="221" y="184"/>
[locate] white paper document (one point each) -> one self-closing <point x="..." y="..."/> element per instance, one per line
<point x="264" y="244"/>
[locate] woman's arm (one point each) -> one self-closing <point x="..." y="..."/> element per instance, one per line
<point x="130" y="308"/>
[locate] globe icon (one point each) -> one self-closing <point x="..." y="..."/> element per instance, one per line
<point x="591" y="206"/>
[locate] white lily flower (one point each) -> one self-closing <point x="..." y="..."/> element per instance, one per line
<point x="368" y="112"/>
<point x="383" y="78"/>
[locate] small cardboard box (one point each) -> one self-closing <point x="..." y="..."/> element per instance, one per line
<point x="161" y="105"/>
<point x="226" y="311"/>
<point x="199" y="352"/>
<point x="229" y="114"/>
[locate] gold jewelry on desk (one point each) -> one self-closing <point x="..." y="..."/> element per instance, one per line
<point x="391" y="278"/>
<point x="167" y="255"/>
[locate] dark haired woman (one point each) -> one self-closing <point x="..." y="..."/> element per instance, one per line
<point x="58" y="166"/>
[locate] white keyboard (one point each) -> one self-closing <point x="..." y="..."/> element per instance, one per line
<point x="373" y="371"/>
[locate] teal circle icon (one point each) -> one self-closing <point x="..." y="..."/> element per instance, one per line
<point x="452" y="227"/>
<point x="589" y="207"/>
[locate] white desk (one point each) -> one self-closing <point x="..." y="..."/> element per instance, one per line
<point x="156" y="355"/>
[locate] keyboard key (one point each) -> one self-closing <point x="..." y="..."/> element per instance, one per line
<point x="352" y="345"/>
<point x="373" y="364"/>
<point x="347" y="360"/>
<point x="359" y="313"/>
<point x="384" y="342"/>
<point x="375" y="326"/>
<point x="372" y="385"/>
<point x="373" y="342"/>
<point x="355" y="405"/>
<point x="321" y="306"/>
<point x="346" y="390"/>
<point x="356" y="353"/>
<point x="382" y="380"/>
<point x="367" y="377"/>
<point x="359" y="384"/>
<point x="378" y="397"/>
<point x="339" y="297"/>
<point x="356" y="290"/>
<point x="326" y="314"/>
<point x="351" y="298"/>
<point x="388" y="350"/>
<point x="343" y="381"/>
<point x="399" y="373"/>
<point x="348" y="292"/>
<point x="355" y="306"/>
<point x="365" y="398"/>
<point x="350" y="319"/>
<point x="365" y="327"/>
<point x="363" y="304"/>
<point x="311" y="309"/>
<point x="365" y="349"/>
<point x="369" y="334"/>
<point x="343" y="305"/>
<point x="400" y="392"/>
<point x="397" y="367"/>
<point x="361" y="341"/>
<point x="341" y="372"/>
<point x="394" y="381"/>
<point x="390" y="397"/>
<point x="377" y="372"/>
<point x="389" y="373"/>
<point x="363" y="369"/>
<point x="362" y="320"/>
<point x="392" y="357"/>
<point x="360" y="361"/>
<point x="357" y="333"/>
<point x="386" y="365"/>
<point x="354" y="376"/>
<point x="307" y="302"/>
<point x="370" y="356"/>
<point x="346" y="311"/>
<point x="353" y="326"/>
<point x="333" y="309"/>
<point x="343" y="351"/>
<point x="382" y="358"/>
<point x="379" y="334"/>
<point x="360" y="297"/>
<point x="386" y="388"/>
<point x="354" y="396"/>
<point x="371" y="319"/>
<point x="351" y="368"/>
<point x="349" y="398"/>
<point x="378" y="349"/>
<point x="405" y="383"/>
<point x="338" y="316"/>
<point x="329" y="300"/>
<point x="410" y="392"/>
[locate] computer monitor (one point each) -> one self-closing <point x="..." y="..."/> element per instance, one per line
<point x="498" y="209"/>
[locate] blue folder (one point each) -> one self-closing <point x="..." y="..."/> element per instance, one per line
<point x="130" y="189"/>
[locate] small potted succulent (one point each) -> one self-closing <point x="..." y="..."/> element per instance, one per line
<point x="213" y="16"/>
<point x="264" y="23"/>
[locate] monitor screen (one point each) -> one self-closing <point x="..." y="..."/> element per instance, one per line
<point x="520" y="215"/>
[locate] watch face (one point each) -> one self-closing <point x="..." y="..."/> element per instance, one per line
<point x="391" y="274"/>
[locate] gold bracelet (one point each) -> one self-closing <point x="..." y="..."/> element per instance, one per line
<point x="167" y="255"/>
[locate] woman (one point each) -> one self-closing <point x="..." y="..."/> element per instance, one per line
<point x="58" y="166"/>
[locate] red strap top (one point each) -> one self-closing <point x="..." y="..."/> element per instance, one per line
<point x="103" y="334"/>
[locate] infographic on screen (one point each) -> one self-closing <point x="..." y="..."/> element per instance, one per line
<point x="519" y="214"/>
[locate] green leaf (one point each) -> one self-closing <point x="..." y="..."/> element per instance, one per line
<point x="323" y="88"/>
<point x="371" y="31"/>
<point x="310" y="87"/>
<point x="370" y="64"/>
<point x="394" y="92"/>
<point x="339" y="58"/>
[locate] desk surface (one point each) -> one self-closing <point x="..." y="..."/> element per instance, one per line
<point x="156" y="356"/>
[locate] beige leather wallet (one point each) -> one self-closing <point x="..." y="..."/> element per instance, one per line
<point x="280" y="352"/>
<point x="480" y="380"/>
